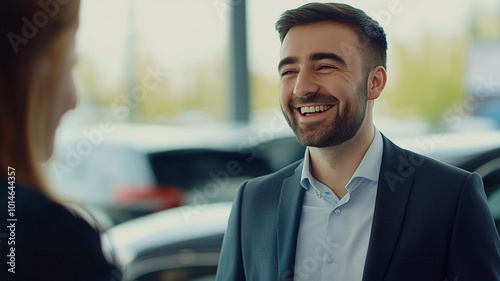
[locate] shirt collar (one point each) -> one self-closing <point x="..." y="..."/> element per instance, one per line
<point x="369" y="167"/>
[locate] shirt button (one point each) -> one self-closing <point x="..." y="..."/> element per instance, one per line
<point x="337" y="211"/>
<point x="329" y="260"/>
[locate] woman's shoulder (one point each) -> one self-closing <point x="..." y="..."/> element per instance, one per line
<point x="35" y="209"/>
<point x="68" y="244"/>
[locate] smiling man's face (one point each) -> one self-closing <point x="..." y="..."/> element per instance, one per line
<point x="323" y="86"/>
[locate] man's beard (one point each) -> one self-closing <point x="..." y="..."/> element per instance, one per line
<point x="325" y="133"/>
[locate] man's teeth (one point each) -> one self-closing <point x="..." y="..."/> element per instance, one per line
<point x="314" y="109"/>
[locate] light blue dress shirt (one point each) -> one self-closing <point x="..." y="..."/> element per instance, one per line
<point x="333" y="234"/>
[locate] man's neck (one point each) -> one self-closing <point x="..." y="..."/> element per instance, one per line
<point x="335" y="165"/>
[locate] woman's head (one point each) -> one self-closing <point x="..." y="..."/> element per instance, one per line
<point x="37" y="55"/>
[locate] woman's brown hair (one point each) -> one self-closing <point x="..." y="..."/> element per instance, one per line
<point x="26" y="29"/>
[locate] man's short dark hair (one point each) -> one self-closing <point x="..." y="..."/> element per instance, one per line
<point x="370" y="34"/>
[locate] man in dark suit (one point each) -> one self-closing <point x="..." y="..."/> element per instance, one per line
<point x="357" y="207"/>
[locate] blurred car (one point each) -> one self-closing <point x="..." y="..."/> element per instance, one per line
<point x="476" y="152"/>
<point x="183" y="243"/>
<point x="132" y="170"/>
<point x="173" y="245"/>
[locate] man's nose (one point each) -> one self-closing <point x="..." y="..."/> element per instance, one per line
<point x="305" y="84"/>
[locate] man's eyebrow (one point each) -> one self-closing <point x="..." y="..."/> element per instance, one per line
<point x="285" y="61"/>
<point x="313" y="57"/>
<point x="331" y="56"/>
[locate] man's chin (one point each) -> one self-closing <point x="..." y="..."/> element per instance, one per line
<point x="321" y="139"/>
<point x="309" y="138"/>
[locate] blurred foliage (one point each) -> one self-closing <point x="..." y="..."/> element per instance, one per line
<point x="264" y="91"/>
<point x="428" y="78"/>
<point x="429" y="73"/>
<point x="484" y="24"/>
<point x="201" y="89"/>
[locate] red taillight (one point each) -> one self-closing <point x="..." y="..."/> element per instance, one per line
<point x="155" y="197"/>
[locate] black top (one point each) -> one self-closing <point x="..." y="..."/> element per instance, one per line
<point x="42" y="240"/>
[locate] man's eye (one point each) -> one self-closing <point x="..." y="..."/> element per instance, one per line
<point x="326" y="67"/>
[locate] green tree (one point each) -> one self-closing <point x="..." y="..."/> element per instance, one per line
<point x="428" y="78"/>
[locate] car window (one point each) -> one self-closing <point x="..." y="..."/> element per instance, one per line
<point x="281" y="152"/>
<point x="98" y="171"/>
<point x="186" y="169"/>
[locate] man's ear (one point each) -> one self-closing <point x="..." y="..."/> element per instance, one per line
<point x="376" y="82"/>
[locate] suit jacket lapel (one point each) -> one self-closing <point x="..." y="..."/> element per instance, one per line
<point x="289" y="212"/>
<point x="395" y="181"/>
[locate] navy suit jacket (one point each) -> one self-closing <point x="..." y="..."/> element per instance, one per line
<point x="431" y="222"/>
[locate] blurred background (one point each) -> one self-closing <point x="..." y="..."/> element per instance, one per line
<point x="438" y="52"/>
<point x="178" y="104"/>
